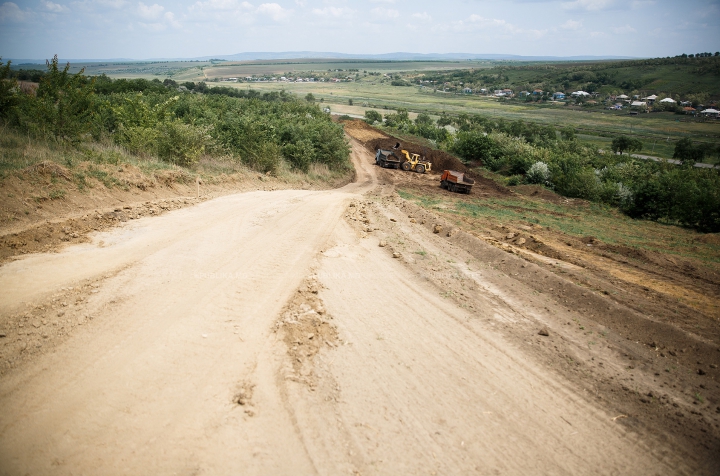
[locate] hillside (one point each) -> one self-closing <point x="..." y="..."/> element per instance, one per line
<point x="676" y="75"/>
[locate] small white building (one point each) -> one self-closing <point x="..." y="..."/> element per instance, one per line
<point x="667" y="101"/>
<point x="577" y="94"/>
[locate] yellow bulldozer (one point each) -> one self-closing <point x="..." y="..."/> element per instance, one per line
<point x="414" y="162"/>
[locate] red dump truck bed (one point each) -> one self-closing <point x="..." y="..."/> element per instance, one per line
<point x="456" y="181"/>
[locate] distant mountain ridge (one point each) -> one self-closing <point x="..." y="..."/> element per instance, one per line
<point x="399" y="56"/>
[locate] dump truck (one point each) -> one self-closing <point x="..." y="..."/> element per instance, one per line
<point x="388" y="158"/>
<point x="415" y="163"/>
<point x="456" y="181"/>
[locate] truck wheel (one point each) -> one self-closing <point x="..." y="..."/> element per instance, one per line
<point x="420" y="169"/>
<point x="406" y="166"/>
<point x="453" y="188"/>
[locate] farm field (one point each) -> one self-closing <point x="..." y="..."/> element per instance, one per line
<point x="208" y="70"/>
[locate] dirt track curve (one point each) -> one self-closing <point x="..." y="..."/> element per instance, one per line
<point x="268" y="333"/>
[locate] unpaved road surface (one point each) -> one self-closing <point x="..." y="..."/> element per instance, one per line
<point x="268" y="333"/>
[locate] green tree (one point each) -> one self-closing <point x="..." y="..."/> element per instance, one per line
<point x="8" y="90"/>
<point x="444" y="120"/>
<point x="310" y="97"/>
<point x="567" y="133"/>
<point x="63" y="106"/>
<point x="350" y="102"/>
<point x="476" y="146"/>
<point x="423" y="119"/>
<point x="624" y="143"/>
<point x="398" y="120"/>
<point x="372" y="116"/>
<point x="688" y="153"/>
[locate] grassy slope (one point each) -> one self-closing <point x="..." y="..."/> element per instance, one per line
<point x="576" y="218"/>
<point x="48" y="172"/>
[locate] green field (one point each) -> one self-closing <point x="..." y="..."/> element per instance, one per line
<point x="211" y="70"/>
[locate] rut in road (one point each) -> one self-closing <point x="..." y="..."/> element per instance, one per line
<point x="183" y="369"/>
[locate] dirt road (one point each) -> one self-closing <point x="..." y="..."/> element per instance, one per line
<point x="268" y="333"/>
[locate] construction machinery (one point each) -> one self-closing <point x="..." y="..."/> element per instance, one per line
<point x="414" y="162"/>
<point x="456" y="181"/>
<point x="388" y="158"/>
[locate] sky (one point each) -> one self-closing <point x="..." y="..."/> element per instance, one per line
<point x="107" y="29"/>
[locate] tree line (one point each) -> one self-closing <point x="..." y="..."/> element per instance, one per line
<point x="174" y="122"/>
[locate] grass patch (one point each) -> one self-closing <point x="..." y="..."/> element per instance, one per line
<point x="577" y="218"/>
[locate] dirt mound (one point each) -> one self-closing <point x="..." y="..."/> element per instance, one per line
<point x="374" y="139"/>
<point x="361" y="131"/>
<point x="48" y="168"/>
<point x="441" y="160"/>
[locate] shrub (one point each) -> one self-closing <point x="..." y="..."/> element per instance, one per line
<point x="623" y="143"/>
<point x="539" y="173"/>
<point x="372" y="116"/>
<point x="514" y="180"/>
<point x="182" y="144"/>
<point x="62" y="107"/>
<point x="476" y="146"/>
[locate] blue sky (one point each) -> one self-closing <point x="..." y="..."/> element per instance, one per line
<point x="103" y="29"/>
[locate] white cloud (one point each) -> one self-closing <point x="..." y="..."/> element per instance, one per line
<point x="384" y="13"/>
<point x="333" y="12"/>
<point x="624" y="29"/>
<point x="571" y="25"/>
<point x="274" y="11"/>
<point x="478" y="21"/>
<point x="152" y="12"/>
<point x="382" y="1"/>
<point x="10" y="12"/>
<point x="54" y="7"/>
<point x="170" y="20"/>
<point x="422" y="16"/>
<point x="590" y="5"/>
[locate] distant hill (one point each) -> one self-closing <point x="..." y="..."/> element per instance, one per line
<point x="400" y="56"/>
<point x="671" y="76"/>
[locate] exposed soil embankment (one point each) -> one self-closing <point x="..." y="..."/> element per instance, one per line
<point x="47" y="205"/>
